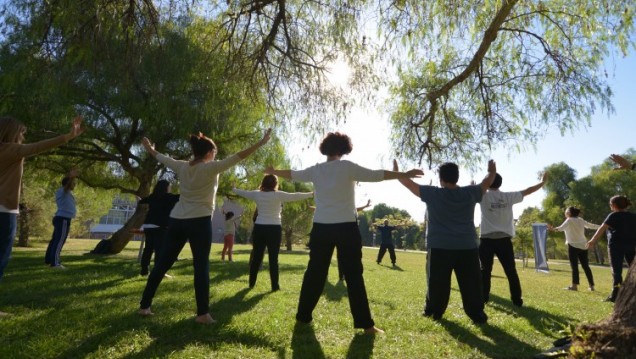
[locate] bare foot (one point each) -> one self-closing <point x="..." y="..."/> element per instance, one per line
<point x="145" y="312"/>
<point x="205" y="319"/>
<point x="373" y="331"/>
<point x="168" y="276"/>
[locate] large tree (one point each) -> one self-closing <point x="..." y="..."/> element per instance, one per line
<point x="150" y="75"/>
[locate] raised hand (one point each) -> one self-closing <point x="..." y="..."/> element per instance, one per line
<point x="76" y="127"/>
<point x="622" y="162"/>
<point x="266" y="136"/>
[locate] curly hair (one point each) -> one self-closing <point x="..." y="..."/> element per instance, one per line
<point x="336" y="144"/>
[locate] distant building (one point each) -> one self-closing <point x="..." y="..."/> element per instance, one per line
<point x="119" y="214"/>
<point x="124" y="208"/>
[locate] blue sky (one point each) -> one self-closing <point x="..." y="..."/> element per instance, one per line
<point x="588" y="146"/>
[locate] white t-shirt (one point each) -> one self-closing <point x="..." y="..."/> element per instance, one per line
<point x="496" y="212"/>
<point x="574" y="228"/>
<point x="197" y="185"/>
<point x="334" y="188"/>
<point x="269" y="203"/>
<point x="230" y="226"/>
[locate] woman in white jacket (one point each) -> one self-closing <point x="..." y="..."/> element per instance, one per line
<point x="574" y="228"/>
<point x="267" y="231"/>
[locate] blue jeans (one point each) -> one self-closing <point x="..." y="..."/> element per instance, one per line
<point x="198" y="231"/>
<point x="8" y="225"/>
<point x="61" y="227"/>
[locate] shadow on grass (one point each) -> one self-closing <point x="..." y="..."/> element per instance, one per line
<point x="335" y="292"/>
<point x="361" y="347"/>
<point x="500" y="344"/>
<point x="544" y="322"/>
<point x="304" y="343"/>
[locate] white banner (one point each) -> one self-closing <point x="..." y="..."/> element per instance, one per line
<point x="540" y="237"/>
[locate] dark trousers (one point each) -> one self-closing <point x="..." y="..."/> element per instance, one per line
<point x="61" y="227"/>
<point x="465" y="263"/>
<point x="617" y="255"/>
<point x="265" y="236"/>
<point x="198" y="231"/>
<point x="322" y="241"/>
<point x="383" y="249"/>
<point x="8" y="225"/>
<point x="502" y="247"/>
<point x="154" y="243"/>
<point x="577" y="255"/>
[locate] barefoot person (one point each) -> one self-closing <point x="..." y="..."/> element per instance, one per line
<point x="335" y="226"/>
<point x="12" y="154"/>
<point x="267" y="232"/>
<point x="191" y="218"/>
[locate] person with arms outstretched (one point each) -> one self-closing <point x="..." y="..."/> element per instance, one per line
<point x="620" y="226"/>
<point x="335" y="226"/>
<point x="191" y="217"/>
<point x="267" y="232"/>
<point x="386" y="242"/>
<point x="497" y="229"/>
<point x="12" y="155"/>
<point x="452" y="241"/>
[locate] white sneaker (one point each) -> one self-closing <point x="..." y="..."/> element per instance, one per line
<point x="59" y="266"/>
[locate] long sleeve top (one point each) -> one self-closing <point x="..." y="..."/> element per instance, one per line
<point x="197" y="185"/>
<point x="269" y="204"/>
<point x="574" y="228"/>
<point x="11" y="164"/>
<point x="65" y="202"/>
<point x="334" y="184"/>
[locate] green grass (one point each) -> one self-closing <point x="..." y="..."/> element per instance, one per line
<point x="90" y="310"/>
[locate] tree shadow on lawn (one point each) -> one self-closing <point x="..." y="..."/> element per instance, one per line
<point x="172" y="337"/>
<point x="544" y="322"/>
<point x="500" y="345"/>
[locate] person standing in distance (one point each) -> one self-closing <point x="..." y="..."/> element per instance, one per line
<point x="66" y="211"/>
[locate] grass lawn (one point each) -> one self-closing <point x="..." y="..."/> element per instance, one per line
<point x="89" y="310"/>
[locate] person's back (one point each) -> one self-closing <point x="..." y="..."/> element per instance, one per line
<point x="496" y="213"/>
<point x="622" y="228"/>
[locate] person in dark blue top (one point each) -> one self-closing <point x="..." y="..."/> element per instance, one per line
<point x="452" y="242"/>
<point x="386" y="241"/>
<point x="62" y="220"/>
<point x="621" y="239"/>
<point x="160" y="203"/>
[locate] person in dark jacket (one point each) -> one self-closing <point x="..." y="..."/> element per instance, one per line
<point x="160" y="203"/>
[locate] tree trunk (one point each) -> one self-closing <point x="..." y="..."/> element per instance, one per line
<point x="614" y="337"/>
<point x="288" y="239"/>
<point x="118" y="241"/>
<point x="23" y="238"/>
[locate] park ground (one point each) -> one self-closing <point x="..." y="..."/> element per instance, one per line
<point x="89" y="310"/>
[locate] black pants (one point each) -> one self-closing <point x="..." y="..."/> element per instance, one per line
<point x="465" y="263"/>
<point x="617" y="255"/>
<point x="61" y="227"/>
<point x="153" y="243"/>
<point x="502" y="247"/>
<point x="383" y="249"/>
<point x="322" y="241"/>
<point x="198" y="232"/>
<point x="265" y="236"/>
<point x="577" y="255"/>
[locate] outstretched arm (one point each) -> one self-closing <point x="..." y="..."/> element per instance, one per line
<point x="363" y="207"/>
<point x="407" y="181"/>
<point x="248" y="151"/>
<point x="599" y="233"/>
<point x="31" y="149"/>
<point x="414" y="173"/>
<point x="622" y="162"/>
<point x="149" y="146"/>
<point x="490" y="177"/>
<point x="280" y="173"/>
<point x="536" y="187"/>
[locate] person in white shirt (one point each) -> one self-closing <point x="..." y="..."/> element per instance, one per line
<point x="574" y="228"/>
<point x="496" y="232"/>
<point x="335" y="226"/>
<point x="191" y="217"/>
<point x="267" y="231"/>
